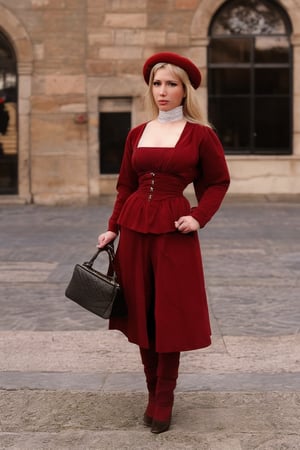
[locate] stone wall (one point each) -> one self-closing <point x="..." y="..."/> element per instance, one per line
<point x="71" y="52"/>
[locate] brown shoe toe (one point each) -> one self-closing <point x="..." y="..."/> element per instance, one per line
<point x="160" y="427"/>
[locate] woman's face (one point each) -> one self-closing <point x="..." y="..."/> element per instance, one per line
<point x="167" y="89"/>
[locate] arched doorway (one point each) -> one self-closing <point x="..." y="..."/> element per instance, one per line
<point x="250" y="77"/>
<point x="8" y="118"/>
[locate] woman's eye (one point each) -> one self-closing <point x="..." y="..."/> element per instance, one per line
<point x="168" y="83"/>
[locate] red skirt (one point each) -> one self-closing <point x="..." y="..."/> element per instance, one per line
<point x="163" y="273"/>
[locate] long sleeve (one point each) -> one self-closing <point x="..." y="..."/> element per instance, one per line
<point x="211" y="186"/>
<point x="127" y="183"/>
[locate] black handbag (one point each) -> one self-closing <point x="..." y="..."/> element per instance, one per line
<point x="97" y="292"/>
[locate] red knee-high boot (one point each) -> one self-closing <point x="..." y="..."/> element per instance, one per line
<point x="167" y="373"/>
<point x="150" y="360"/>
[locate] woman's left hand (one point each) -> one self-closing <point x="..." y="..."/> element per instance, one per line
<point x="106" y="238"/>
<point x="187" y="224"/>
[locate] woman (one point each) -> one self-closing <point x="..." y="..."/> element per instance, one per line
<point x="158" y="257"/>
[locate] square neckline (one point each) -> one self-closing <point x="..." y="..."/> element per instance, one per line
<point x="156" y="147"/>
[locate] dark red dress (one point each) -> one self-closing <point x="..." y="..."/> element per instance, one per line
<point x="159" y="267"/>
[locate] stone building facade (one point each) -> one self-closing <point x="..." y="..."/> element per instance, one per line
<point x="80" y="60"/>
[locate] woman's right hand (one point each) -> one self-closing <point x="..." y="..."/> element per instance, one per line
<point x="106" y="238"/>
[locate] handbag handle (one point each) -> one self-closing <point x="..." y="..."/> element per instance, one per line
<point x="109" y="249"/>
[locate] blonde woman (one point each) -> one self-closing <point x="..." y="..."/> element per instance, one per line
<point x="158" y="256"/>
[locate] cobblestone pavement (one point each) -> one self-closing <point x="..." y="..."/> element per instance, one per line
<point x="68" y="383"/>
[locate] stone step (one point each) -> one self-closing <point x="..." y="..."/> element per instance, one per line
<point x="40" y="419"/>
<point x="127" y="440"/>
<point x="144" y="440"/>
<point x="135" y="381"/>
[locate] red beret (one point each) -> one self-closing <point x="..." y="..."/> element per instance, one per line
<point x="177" y="60"/>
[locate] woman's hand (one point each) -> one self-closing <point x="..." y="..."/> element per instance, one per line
<point x="187" y="224"/>
<point x="106" y="238"/>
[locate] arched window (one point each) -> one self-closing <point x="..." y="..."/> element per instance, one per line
<point x="8" y="118"/>
<point x="250" y="77"/>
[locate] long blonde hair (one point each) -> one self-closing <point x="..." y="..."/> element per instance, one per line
<point x="191" y="107"/>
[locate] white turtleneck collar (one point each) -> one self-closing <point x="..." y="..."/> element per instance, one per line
<point x="170" y="116"/>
